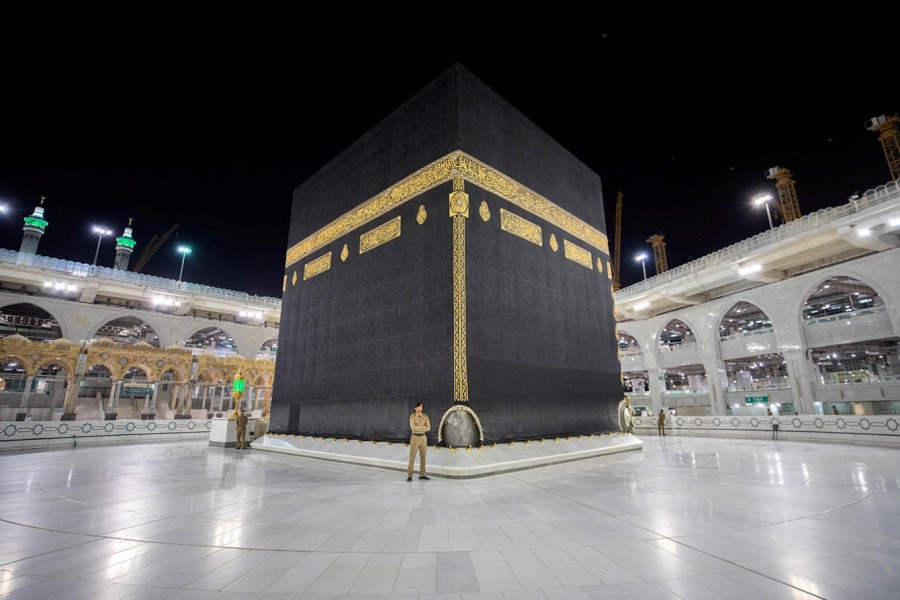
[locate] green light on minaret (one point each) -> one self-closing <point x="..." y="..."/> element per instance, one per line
<point x="124" y="241"/>
<point x="36" y="222"/>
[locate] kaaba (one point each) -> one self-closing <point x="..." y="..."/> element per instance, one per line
<point x="455" y="255"/>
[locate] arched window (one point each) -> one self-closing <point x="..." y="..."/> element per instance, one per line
<point x="744" y="318"/>
<point x="763" y="372"/>
<point x="128" y="330"/>
<point x="839" y="296"/>
<point x="29" y="321"/>
<point x="268" y="350"/>
<point x="213" y="340"/>
<point x="627" y="343"/>
<point x="676" y="333"/>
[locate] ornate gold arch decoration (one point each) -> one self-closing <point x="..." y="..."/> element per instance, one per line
<point x="463" y="408"/>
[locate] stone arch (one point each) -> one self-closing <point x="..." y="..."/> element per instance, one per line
<point x="728" y="309"/>
<point x="885" y="299"/>
<point x="621" y="335"/>
<point x="26" y="363"/>
<point x="127" y="316"/>
<point x="101" y="363"/>
<point x="147" y="371"/>
<point x="213" y="331"/>
<point x="212" y="375"/>
<point x="263" y="379"/>
<point x="182" y="373"/>
<point x="683" y="323"/>
<point x="268" y="349"/>
<point x="58" y="362"/>
<point x="35" y="302"/>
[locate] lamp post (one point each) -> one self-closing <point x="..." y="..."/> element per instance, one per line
<point x="642" y="257"/>
<point x="100" y="231"/>
<point x="184" y="250"/>
<point x="765" y="199"/>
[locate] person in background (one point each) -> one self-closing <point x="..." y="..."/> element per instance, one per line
<point x="241" y="424"/>
<point x="420" y="425"/>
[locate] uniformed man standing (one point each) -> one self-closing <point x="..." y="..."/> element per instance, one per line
<point x="420" y="425"/>
<point x="661" y="422"/>
<point x="241" y="425"/>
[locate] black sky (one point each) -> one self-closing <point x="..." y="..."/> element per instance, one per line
<point x="214" y="133"/>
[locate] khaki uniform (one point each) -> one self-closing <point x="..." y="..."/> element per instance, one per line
<point x="420" y="425"/>
<point x="661" y="423"/>
<point x="241" y="425"/>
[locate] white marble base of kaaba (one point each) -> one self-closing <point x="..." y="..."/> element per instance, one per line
<point x="459" y="463"/>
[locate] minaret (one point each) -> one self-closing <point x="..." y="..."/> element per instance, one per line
<point x="34" y="229"/>
<point x="124" y="248"/>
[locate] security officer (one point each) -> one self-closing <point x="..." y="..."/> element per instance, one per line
<point x="661" y="422"/>
<point x="241" y="425"/>
<point x="420" y="425"/>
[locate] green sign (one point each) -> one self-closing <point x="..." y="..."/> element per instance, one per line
<point x="756" y="399"/>
<point x="124" y="241"/>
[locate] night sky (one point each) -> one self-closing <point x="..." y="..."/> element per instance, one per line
<point x="216" y="136"/>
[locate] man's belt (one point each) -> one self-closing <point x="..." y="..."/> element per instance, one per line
<point x="419" y="434"/>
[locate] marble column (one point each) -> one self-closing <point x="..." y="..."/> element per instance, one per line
<point x="801" y="375"/>
<point x="28" y="381"/>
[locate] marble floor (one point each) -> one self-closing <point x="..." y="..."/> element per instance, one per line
<point x="692" y="518"/>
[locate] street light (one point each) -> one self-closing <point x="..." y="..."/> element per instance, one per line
<point x="100" y="231"/>
<point x="642" y="257"/>
<point x="765" y="199"/>
<point x="184" y="250"/>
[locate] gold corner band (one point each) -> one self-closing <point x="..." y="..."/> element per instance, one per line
<point x="317" y="266"/>
<point x="516" y="225"/>
<point x="460" y="367"/>
<point x="457" y="165"/>
<point x="380" y="235"/>
<point x="578" y="254"/>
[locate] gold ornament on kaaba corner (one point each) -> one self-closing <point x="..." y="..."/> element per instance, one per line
<point x="421" y="215"/>
<point x="484" y="211"/>
<point x="459" y="204"/>
<point x="345" y="252"/>
<point x="554" y="245"/>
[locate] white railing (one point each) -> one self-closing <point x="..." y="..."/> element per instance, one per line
<point x="676" y="346"/>
<point x="760" y="387"/>
<point x="846" y="315"/>
<point x="740" y="334"/>
<point x="873" y="381"/>
<point x="84" y="270"/>
<point x="727" y="255"/>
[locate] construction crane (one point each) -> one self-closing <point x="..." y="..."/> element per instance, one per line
<point x="150" y="249"/>
<point x="659" y="252"/>
<point x="787" y="193"/>
<point x="890" y="140"/>
<point x="617" y="257"/>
